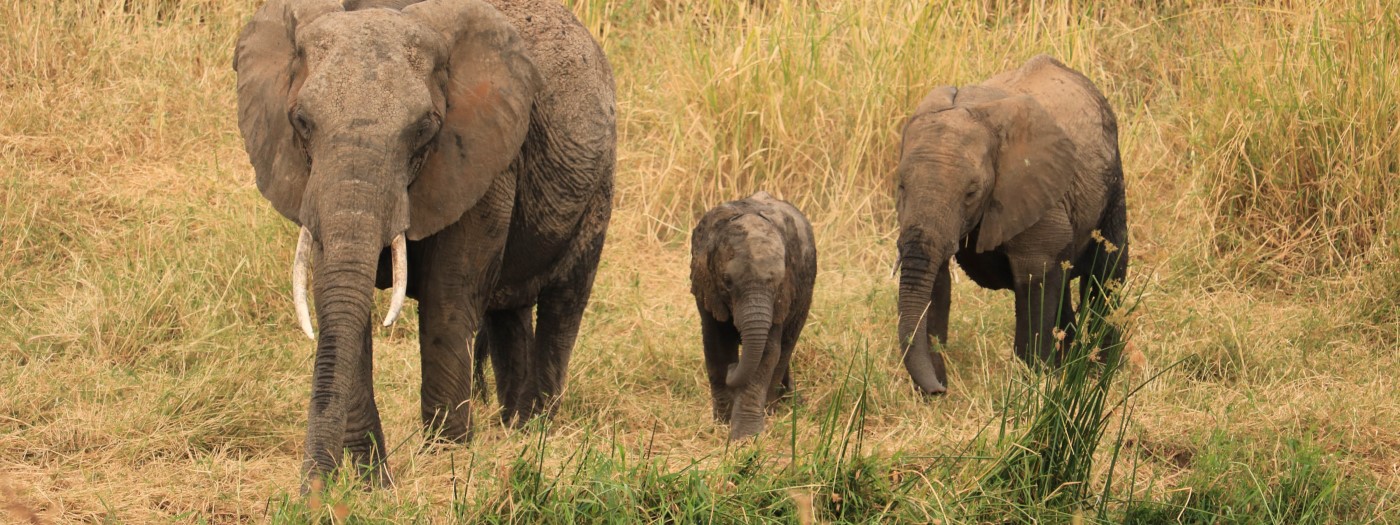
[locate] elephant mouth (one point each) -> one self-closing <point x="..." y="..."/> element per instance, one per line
<point x="301" y="265"/>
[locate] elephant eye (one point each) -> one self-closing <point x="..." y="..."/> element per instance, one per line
<point x="301" y="123"/>
<point x="427" y="128"/>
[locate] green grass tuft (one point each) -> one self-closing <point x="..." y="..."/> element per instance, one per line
<point x="152" y="370"/>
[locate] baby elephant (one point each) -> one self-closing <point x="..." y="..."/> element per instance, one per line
<point x="752" y="266"/>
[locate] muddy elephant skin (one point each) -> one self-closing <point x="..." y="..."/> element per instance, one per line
<point x="753" y="264"/>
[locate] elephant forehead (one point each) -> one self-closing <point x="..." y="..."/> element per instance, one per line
<point x="369" y="64"/>
<point x="954" y="129"/>
<point x="951" y="138"/>
<point x="758" y="246"/>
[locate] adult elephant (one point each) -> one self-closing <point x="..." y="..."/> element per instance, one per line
<point x="460" y="152"/>
<point x="1020" y="179"/>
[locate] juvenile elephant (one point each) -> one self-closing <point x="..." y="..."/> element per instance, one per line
<point x="752" y="267"/>
<point x="476" y="141"/>
<point x="1015" y="177"/>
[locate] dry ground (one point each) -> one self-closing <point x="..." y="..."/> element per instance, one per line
<point x="151" y="370"/>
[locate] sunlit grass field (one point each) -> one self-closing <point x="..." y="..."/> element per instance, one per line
<point x="151" y="369"/>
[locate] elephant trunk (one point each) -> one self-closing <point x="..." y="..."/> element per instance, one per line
<point x="344" y="283"/>
<point x="352" y="215"/>
<point x="753" y="316"/>
<point x="917" y="273"/>
<point x="301" y="265"/>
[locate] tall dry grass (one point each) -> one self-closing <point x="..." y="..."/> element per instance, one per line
<point x="151" y="369"/>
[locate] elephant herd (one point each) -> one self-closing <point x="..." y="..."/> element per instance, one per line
<point x="461" y="152"/>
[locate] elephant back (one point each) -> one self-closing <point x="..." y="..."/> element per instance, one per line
<point x="1073" y="102"/>
<point x="564" y="198"/>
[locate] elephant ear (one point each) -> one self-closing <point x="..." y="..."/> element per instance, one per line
<point x="704" y="280"/>
<point x="397" y="5"/>
<point x="489" y="91"/>
<point x="939" y="99"/>
<point x="1034" y="163"/>
<point x="269" y="75"/>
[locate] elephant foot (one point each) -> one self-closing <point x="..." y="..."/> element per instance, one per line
<point x="439" y="436"/>
<point x="525" y="420"/>
<point x="721" y="413"/>
<point x="513" y="421"/>
<point x="721" y="403"/>
<point x="450" y="428"/>
<point x="375" y="477"/>
<point x="740" y="432"/>
<point x="784" y="397"/>
<point x="527" y="411"/>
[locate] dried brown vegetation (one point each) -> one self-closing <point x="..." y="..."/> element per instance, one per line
<point x="151" y="367"/>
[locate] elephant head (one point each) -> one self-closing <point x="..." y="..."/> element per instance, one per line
<point x="739" y="271"/>
<point x="977" y="167"/>
<point x="367" y="127"/>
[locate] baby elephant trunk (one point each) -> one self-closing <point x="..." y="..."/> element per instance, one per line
<point x="754" y="318"/>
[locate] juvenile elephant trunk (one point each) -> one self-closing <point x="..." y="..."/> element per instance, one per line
<point x="915" y="295"/>
<point x="754" y="317"/>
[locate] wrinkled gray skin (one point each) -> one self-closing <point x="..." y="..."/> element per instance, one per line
<point x="752" y="267"/>
<point x="1009" y="176"/>
<point x="485" y="132"/>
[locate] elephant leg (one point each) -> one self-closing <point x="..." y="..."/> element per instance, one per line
<point x="721" y="350"/>
<point x="1096" y="302"/>
<point x="940" y="303"/>
<point x="341" y="416"/>
<point x="751" y="400"/>
<point x="1039" y="283"/>
<point x="445" y="331"/>
<point x="1066" y="320"/>
<point x="364" y="434"/>
<point x="1104" y="268"/>
<point x="780" y="385"/>
<point x="1106" y="261"/>
<point x="560" y="313"/>
<point x="1107" y="257"/>
<point x="509" y="335"/>
<point x="455" y="274"/>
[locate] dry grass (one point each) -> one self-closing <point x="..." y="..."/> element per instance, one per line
<point x="152" y="370"/>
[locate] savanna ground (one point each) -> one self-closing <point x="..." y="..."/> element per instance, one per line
<point x="151" y="369"/>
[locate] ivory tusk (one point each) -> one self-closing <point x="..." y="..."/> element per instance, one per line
<point x="400" y="251"/>
<point x="299" y="267"/>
